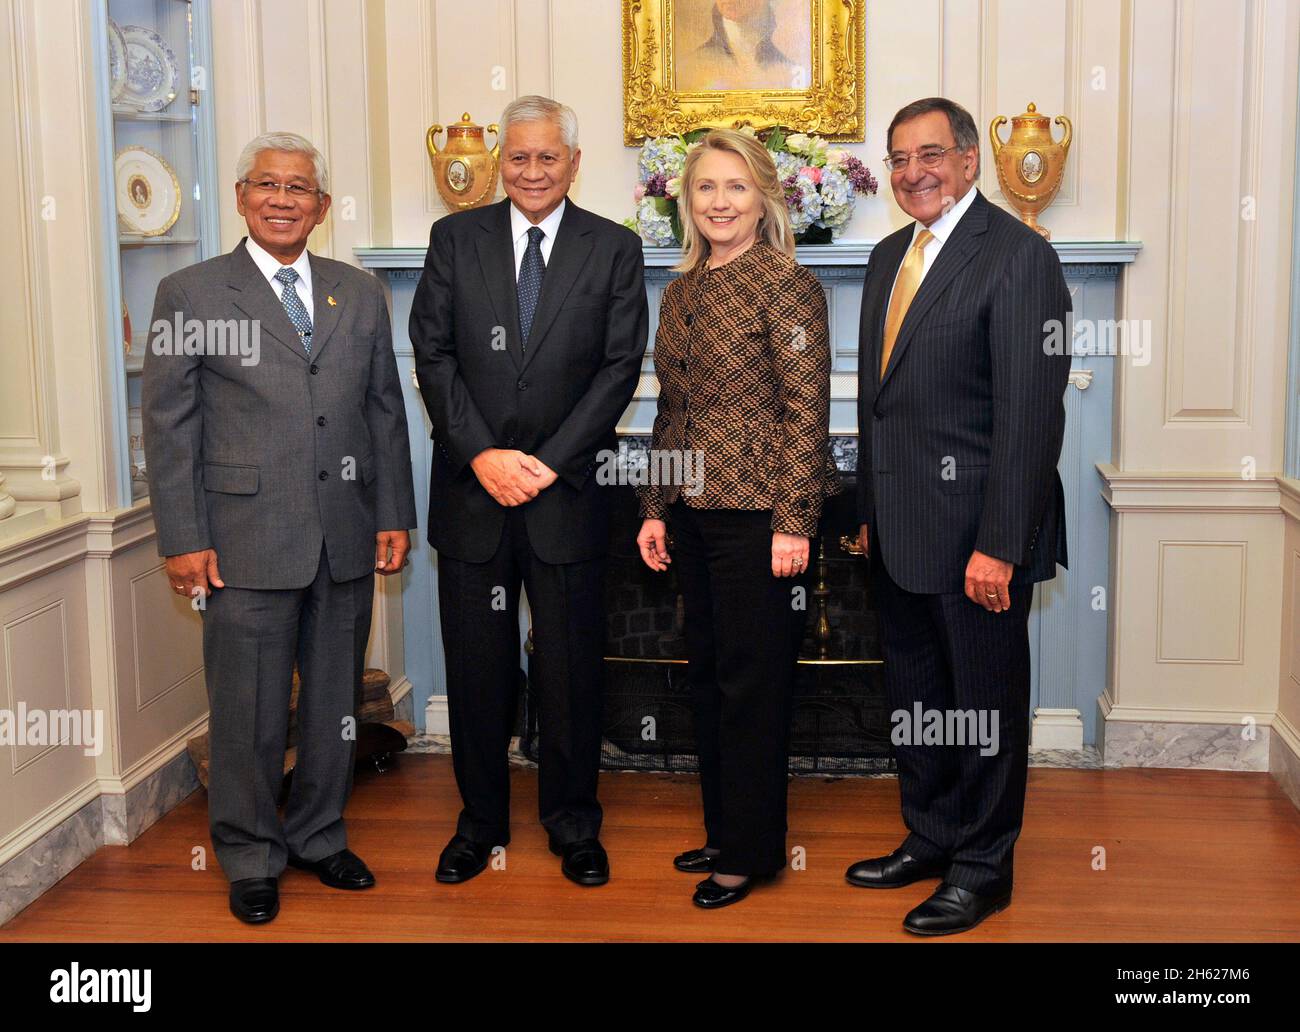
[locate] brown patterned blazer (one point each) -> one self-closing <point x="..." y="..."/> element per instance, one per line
<point x="742" y="354"/>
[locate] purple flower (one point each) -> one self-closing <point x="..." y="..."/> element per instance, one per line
<point x="793" y="195"/>
<point x="657" y="185"/>
<point x="859" y="175"/>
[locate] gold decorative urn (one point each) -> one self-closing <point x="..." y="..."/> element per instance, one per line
<point x="465" y="170"/>
<point x="1030" y="164"/>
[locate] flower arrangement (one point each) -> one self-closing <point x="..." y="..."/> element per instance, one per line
<point x="821" y="184"/>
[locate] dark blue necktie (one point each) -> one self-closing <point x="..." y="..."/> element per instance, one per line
<point x="530" y="282"/>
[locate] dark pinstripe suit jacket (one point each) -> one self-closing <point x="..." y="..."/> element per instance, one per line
<point x="958" y="443"/>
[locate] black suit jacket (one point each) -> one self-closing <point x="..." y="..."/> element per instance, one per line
<point x="558" y="398"/>
<point x="958" y="443"/>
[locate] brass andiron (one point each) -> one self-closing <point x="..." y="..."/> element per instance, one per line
<point x="822" y="593"/>
<point x="1030" y="164"/>
<point x="465" y="171"/>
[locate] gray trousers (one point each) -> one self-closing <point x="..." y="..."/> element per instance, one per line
<point x="251" y="639"/>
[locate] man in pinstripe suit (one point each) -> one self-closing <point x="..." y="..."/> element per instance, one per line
<point x="960" y="419"/>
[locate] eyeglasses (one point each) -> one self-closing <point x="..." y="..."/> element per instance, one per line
<point x="266" y="187"/>
<point x="929" y="157"/>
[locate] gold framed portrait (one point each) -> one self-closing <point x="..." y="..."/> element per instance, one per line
<point x="692" y="64"/>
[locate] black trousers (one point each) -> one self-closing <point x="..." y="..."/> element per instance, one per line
<point x="743" y="628"/>
<point x="479" y="613"/>
<point x="950" y="655"/>
<point x="251" y="638"/>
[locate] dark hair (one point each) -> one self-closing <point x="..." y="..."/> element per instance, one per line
<point x="960" y="122"/>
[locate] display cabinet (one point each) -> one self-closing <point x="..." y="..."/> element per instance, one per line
<point x="158" y="166"/>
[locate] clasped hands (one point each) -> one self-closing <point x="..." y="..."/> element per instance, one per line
<point x="988" y="579"/>
<point x="511" y="477"/>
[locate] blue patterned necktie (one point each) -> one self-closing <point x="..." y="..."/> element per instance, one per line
<point x="293" y="305"/>
<point x="530" y="282"/>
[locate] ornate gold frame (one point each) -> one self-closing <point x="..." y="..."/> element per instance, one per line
<point x="833" y="106"/>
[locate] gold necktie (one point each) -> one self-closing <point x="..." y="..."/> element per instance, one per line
<point x="909" y="279"/>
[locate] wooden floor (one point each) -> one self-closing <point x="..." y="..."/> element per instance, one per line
<point x="1189" y="855"/>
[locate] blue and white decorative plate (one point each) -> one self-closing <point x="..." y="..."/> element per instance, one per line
<point x="116" y="62"/>
<point x="151" y="71"/>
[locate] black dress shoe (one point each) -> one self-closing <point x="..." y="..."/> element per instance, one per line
<point x="461" y="859"/>
<point x="255" y="900"/>
<point x="341" y="870"/>
<point x="710" y="895"/>
<point x="952" y="909"/>
<point x="583" y="861"/>
<point x="893" y="871"/>
<point x="695" y="861"/>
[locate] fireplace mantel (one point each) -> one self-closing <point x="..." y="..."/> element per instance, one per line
<point x="843" y="252"/>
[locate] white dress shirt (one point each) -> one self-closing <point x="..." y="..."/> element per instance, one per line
<point x="270" y="265"/>
<point x="519" y="226"/>
<point x="942" y="228"/>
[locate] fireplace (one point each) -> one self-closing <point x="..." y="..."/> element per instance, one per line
<point x="840" y="723"/>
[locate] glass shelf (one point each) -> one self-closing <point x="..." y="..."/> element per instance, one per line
<point x="134" y="240"/>
<point x="136" y="115"/>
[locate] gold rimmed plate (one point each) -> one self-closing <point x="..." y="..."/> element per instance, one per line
<point x="148" y="192"/>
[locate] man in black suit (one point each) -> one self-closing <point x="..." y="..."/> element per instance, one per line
<point x="960" y="419"/>
<point x="529" y="325"/>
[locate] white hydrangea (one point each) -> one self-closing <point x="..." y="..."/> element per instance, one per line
<point x="786" y="165"/>
<point x="836" y="198"/>
<point x="655" y="228"/>
<point x="663" y="155"/>
<point x="810" y="208"/>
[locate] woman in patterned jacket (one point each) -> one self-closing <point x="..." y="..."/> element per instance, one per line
<point x="743" y="360"/>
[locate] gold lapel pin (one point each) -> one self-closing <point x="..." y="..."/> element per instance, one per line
<point x="331" y="300"/>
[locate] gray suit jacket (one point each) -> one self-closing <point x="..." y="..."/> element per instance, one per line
<point x="265" y="453"/>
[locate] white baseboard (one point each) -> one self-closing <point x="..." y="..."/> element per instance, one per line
<point x="1056" y="729"/>
<point x="400" y="689"/>
<point x="47" y="820"/>
<point x="157" y="758"/>
<point x="436" y="718"/>
<point x="97" y="788"/>
<point x="1284" y="757"/>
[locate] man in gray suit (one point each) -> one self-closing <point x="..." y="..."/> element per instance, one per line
<point x="280" y="475"/>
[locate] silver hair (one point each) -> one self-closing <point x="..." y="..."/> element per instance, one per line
<point x="539" y="109"/>
<point x="290" y="142"/>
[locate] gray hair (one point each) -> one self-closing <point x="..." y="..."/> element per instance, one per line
<point x="538" y="109"/>
<point x="288" y="142"/>
<point x="964" y="133"/>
